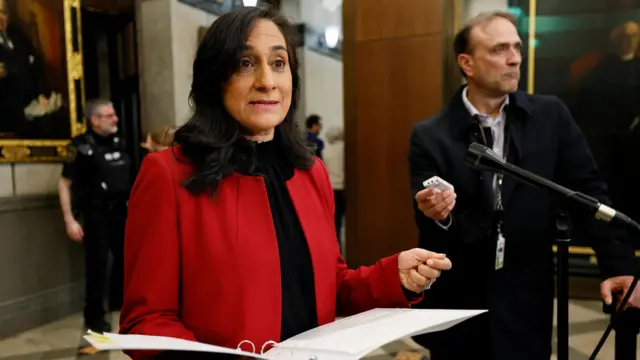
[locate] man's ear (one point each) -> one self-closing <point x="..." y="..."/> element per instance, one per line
<point x="465" y="62"/>
<point x="94" y="121"/>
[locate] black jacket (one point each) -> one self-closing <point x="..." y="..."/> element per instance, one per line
<point x="546" y="141"/>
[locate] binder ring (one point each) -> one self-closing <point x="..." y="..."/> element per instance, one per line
<point x="267" y="343"/>
<point x="253" y="347"/>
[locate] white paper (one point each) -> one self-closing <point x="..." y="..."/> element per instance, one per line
<point x="356" y="336"/>
<point x="349" y="338"/>
<point x="108" y="341"/>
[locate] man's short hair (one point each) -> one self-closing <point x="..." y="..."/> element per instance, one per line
<point x="461" y="43"/>
<point x="313" y="120"/>
<point x="93" y="106"/>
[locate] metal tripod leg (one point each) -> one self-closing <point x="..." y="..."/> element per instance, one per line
<point x="627" y="335"/>
<point x="563" y="238"/>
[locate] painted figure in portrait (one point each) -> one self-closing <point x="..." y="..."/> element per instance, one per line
<point x="608" y="111"/>
<point x="33" y="75"/>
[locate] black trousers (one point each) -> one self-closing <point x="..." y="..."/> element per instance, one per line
<point x="104" y="234"/>
<point x="341" y="206"/>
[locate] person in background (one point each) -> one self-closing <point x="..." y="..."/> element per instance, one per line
<point x="159" y="140"/>
<point x="93" y="190"/>
<point x="334" y="160"/>
<point x="500" y="232"/>
<point x="224" y="225"/>
<point x="314" y="126"/>
<point x="609" y="114"/>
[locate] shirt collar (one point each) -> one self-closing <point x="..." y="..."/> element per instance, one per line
<point x="473" y="111"/>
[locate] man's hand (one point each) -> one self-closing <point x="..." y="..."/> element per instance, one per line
<point x="74" y="231"/>
<point x="436" y="205"/>
<point x="3" y="72"/>
<point x="619" y="285"/>
<point x="419" y="268"/>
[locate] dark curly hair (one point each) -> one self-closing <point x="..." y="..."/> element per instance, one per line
<point x="212" y="141"/>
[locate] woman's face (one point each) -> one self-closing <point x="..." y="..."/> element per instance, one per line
<point x="258" y="95"/>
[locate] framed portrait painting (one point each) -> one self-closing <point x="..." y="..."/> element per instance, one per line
<point x="41" y="79"/>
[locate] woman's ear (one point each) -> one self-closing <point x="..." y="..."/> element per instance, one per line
<point x="148" y="144"/>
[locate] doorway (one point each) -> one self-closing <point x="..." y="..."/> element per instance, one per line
<point x="111" y="69"/>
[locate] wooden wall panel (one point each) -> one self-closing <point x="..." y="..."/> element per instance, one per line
<point x="392" y="79"/>
<point x="380" y="19"/>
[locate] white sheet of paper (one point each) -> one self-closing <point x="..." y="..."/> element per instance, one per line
<point x="109" y="341"/>
<point x="356" y="336"/>
<point x="349" y="338"/>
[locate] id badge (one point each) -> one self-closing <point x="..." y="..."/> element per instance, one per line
<point x="500" y="252"/>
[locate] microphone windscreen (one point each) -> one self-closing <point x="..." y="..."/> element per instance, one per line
<point x="482" y="158"/>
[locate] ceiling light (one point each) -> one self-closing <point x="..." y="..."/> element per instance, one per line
<point x="331" y="36"/>
<point x="331" y="5"/>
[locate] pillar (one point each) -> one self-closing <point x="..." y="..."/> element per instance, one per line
<point x="393" y="78"/>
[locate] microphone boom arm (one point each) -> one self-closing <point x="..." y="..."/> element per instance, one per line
<point x="482" y="158"/>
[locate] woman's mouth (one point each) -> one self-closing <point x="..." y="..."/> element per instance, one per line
<point x="264" y="104"/>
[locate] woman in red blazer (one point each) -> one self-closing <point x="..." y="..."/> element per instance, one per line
<point x="230" y="235"/>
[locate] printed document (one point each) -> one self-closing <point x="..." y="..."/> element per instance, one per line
<point x="350" y="338"/>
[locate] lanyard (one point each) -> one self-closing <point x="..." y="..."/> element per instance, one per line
<point x="499" y="176"/>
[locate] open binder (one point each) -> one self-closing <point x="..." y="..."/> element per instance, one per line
<point x="350" y="338"/>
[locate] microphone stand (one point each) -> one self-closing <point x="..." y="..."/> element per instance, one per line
<point x="563" y="238"/>
<point x="482" y="158"/>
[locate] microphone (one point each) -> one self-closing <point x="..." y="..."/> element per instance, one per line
<point x="482" y="158"/>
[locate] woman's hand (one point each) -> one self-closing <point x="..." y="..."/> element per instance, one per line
<point x="419" y="268"/>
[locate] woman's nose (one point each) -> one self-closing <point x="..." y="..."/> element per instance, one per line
<point x="264" y="79"/>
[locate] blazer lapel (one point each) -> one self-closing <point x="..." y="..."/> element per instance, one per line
<point x="513" y="132"/>
<point x="486" y="178"/>
<point x="464" y="125"/>
<point x="307" y="197"/>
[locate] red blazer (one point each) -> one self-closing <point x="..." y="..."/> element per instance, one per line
<point x="208" y="269"/>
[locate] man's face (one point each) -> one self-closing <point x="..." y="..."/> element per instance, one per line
<point x="629" y="39"/>
<point x="315" y="129"/>
<point x="494" y="58"/>
<point x="4" y="15"/>
<point x="105" y="121"/>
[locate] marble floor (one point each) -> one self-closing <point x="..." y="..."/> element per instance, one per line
<point x="60" y="340"/>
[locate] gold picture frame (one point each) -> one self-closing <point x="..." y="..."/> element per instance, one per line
<point x="20" y="150"/>
<point x="201" y="31"/>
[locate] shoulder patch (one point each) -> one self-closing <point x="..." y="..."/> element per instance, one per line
<point x="85" y="149"/>
<point x="72" y="153"/>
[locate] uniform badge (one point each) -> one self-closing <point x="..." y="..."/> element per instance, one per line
<point x="72" y="154"/>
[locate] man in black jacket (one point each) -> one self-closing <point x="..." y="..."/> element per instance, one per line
<point x="497" y="232"/>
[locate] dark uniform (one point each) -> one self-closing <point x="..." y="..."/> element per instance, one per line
<point x="100" y="172"/>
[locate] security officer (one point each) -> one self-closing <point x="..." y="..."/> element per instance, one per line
<point x="94" y="188"/>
